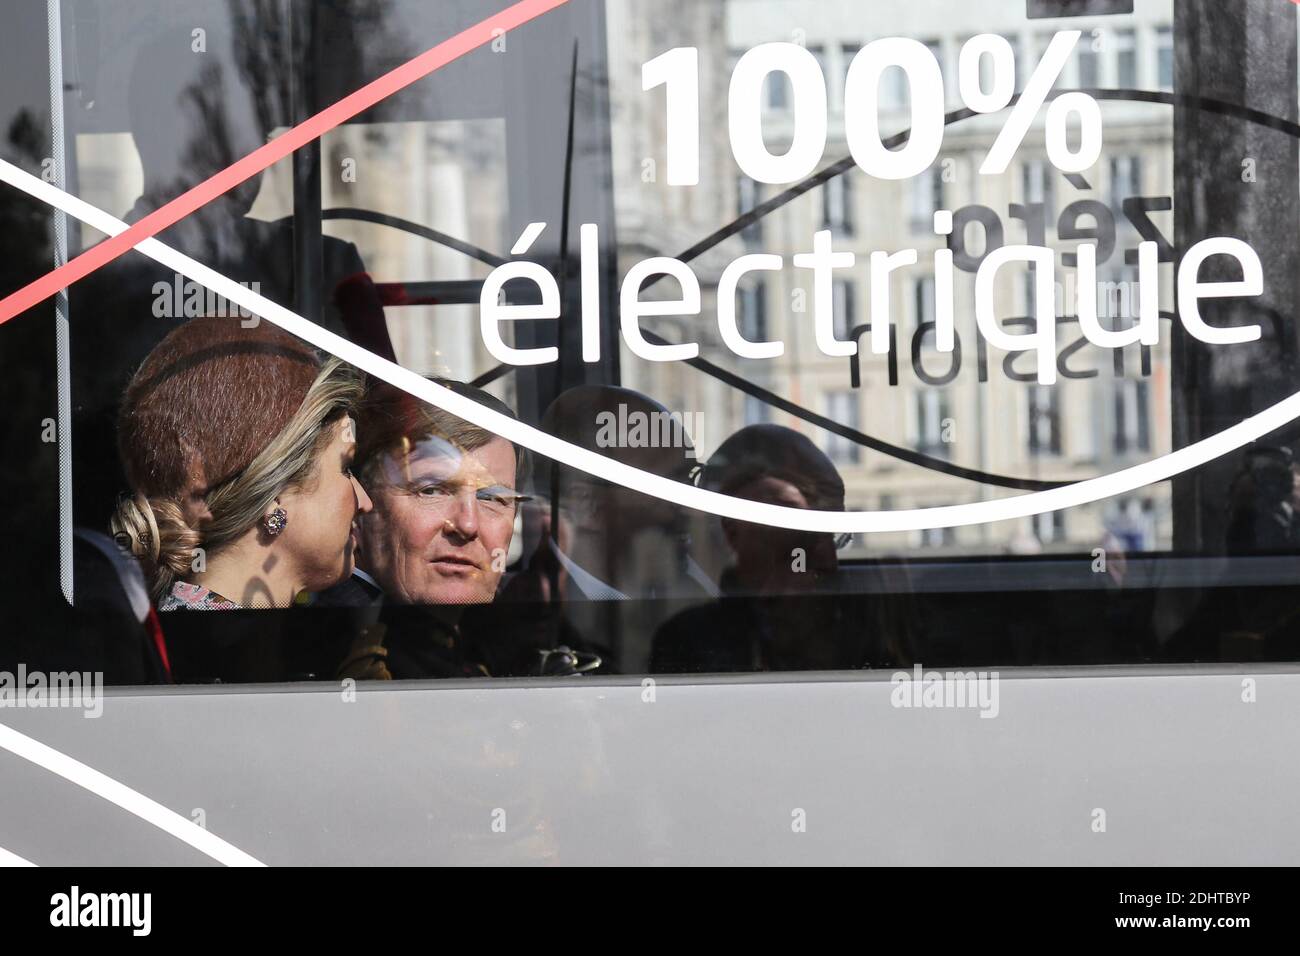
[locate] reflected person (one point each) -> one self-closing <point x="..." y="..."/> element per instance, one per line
<point x="611" y="564"/>
<point x="785" y="604"/>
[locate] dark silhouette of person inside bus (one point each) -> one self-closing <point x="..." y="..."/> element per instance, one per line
<point x="784" y="605"/>
<point x="189" y="121"/>
<point x="1261" y="621"/>
<point x="610" y="564"/>
<point x="1264" y="503"/>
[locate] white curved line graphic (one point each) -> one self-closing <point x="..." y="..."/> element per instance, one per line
<point x="949" y="516"/>
<point x="132" y="801"/>
<point x="8" y="858"/>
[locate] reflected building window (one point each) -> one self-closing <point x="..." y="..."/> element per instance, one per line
<point x="1029" y="292"/>
<point x="1126" y="61"/>
<point x="819" y="54"/>
<point x="747" y="197"/>
<point x="842" y="407"/>
<point x="1132" y="416"/>
<point x="755" y="411"/>
<point x="922" y="301"/>
<point x="843" y="296"/>
<point x="1165" y="58"/>
<point x="779" y="91"/>
<point x="1041" y="42"/>
<point x="927" y="197"/>
<point x="895" y="91"/>
<point x="938" y="537"/>
<point x="933" y="415"/>
<point x="1050" y="527"/>
<point x="847" y="52"/>
<point x="837" y="205"/>
<point x="986" y="63"/>
<point x="1125" y="180"/>
<point x="1017" y="56"/>
<point x="1044" y="420"/>
<point x="751" y="302"/>
<point x="936" y="47"/>
<point x="1037" y="183"/>
<point x="1089" y="62"/>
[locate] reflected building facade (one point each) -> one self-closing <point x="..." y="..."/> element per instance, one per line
<point x="985" y="411"/>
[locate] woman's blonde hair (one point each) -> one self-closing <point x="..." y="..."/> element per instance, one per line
<point x="201" y="380"/>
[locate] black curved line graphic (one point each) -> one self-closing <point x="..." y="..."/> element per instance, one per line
<point x="1220" y="107"/>
<point x="491" y="375"/>
<point x="860" y="438"/>
<point x="424" y="232"/>
<point x="717" y="372"/>
<point x="839" y="167"/>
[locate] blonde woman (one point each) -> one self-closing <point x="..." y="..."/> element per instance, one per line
<point x="238" y="445"/>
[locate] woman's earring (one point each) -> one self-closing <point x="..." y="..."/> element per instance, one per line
<point x="274" y="522"/>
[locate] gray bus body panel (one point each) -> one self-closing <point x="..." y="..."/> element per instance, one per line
<point x="1177" y="767"/>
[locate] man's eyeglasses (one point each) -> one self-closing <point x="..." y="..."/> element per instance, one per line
<point x="495" y="500"/>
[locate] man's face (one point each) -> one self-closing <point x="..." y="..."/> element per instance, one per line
<point x="442" y="522"/>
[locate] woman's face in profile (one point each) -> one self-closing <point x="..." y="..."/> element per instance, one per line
<point x="319" y="534"/>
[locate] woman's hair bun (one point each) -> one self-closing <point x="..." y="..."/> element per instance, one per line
<point x="156" y="532"/>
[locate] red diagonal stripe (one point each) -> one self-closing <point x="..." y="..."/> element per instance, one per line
<point x="271" y="153"/>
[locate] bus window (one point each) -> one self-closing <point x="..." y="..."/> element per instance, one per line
<point x="662" y="351"/>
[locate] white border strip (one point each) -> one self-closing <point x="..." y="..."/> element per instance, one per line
<point x="951" y="516"/>
<point x="101" y="785"/>
<point x="8" y="858"/>
<point x="54" y="26"/>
